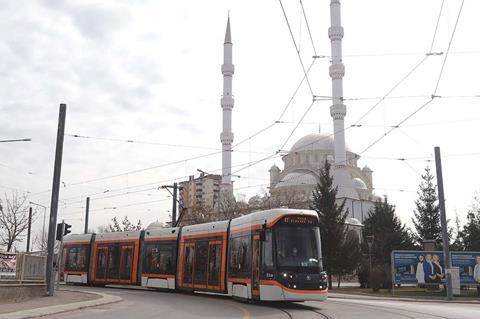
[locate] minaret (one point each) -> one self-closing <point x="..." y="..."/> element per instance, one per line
<point x="226" y="137"/>
<point x="338" y="110"/>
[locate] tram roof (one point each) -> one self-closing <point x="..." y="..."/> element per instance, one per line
<point x="71" y="238"/>
<point x="268" y="216"/>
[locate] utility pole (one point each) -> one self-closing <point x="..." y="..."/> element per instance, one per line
<point x="54" y="203"/>
<point x="87" y="210"/>
<point x="29" y="228"/>
<point x="443" y="219"/>
<point x="175" y="188"/>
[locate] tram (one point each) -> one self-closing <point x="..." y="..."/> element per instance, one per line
<point x="271" y="255"/>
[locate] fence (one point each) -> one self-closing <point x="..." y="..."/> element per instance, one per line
<point x="30" y="267"/>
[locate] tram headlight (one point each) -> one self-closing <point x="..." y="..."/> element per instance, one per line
<point x="289" y="275"/>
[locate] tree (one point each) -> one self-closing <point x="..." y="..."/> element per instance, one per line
<point x="13" y="219"/>
<point x="331" y="221"/>
<point x="457" y="243"/>
<point x="389" y="234"/>
<point x="470" y="235"/>
<point x="127" y="225"/>
<point x="350" y="255"/>
<point x="427" y="213"/>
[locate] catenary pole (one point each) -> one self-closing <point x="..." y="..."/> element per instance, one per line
<point x="54" y="202"/>
<point x="87" y="211"/>
<point x="443" y="219"/>
<point x="174" y="207"/>
<point x="29" y="231"/>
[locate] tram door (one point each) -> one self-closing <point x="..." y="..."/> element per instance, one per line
<point x="126" y="260"/>
<point x="256" y="251"/>
<point x="101" y="266"/>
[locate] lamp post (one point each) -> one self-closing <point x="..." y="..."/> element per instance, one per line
<point x="43" y="229"/>
<point x="370" y="243"/>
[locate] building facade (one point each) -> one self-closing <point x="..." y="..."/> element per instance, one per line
<point x="203" y="191"/>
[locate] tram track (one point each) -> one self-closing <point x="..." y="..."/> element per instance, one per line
<point x="298" y="311"/>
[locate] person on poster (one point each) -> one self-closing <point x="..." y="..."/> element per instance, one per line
<point x="476" y="273"/>
<point x="428" y="269"/>
<point x="437" y="269"/>
<point x="420" y="274"/>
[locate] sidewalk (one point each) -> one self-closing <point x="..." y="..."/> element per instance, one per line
<point x="63" y="300"/>
<point x="340" y="295"/>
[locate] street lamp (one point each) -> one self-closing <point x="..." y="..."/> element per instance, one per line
<point x="43" y="229"/>
<point x="370" y="240"/>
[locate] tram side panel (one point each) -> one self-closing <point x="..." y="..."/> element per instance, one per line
<point x="115" y="258"/>
<point x="159" y="258"/>
<point x="76" y="258"/>
<point x="202" y="257"/>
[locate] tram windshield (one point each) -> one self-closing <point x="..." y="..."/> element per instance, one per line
<point x="298" y="247"/>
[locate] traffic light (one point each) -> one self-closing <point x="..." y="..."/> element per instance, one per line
<point x="66" y="230"/>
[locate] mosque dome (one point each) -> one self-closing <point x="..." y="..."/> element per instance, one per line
<point x="155" y="225"/>
<point x="315" y="142"/>
<point x="297" y="179"/>
<point x="358" y="183"/>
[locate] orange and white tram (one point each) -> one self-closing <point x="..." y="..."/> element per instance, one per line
<point x="267" y="255"/>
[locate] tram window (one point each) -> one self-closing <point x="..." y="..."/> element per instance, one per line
<point x="126" y="262"/>
<point x="76" y="258"/>
<point x="101" y="262"/>
<point x="113" y="261"/>
<point x="189" y="251"/>
<point x="201" y="260"/>
<point x="214" y="263"/>
<point x="240" y="253"/>
<point x="159" y="258"/>
<point x="267" y="251"/>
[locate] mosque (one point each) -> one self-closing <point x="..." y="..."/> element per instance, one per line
<point x="295" y="183"/>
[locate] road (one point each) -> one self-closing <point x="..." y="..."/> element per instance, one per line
<point x="139" y="304"/>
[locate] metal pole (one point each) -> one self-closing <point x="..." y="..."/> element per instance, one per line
<point x="443" y="217"/>
<point x="60" y="256"/>
<point x="29" y="231"/>
<point x="43" y="229"/>
<point x="54" y="203"/>
<point x="87" y="210"/>
<point x="174" y="208"/>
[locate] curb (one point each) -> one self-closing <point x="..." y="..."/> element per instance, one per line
<point x="360" y="297"/>
<point x="51" y="310"/>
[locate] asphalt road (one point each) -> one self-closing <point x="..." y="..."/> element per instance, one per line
<point x="138" y="304"/>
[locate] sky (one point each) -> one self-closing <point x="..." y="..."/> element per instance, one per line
<point x="149" y="71"/>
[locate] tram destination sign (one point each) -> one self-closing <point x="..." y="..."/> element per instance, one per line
<point x="305" y="220"/>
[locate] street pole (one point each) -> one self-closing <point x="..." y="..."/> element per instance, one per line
<point x="443" y="217"/>
<point x="87" y="210"/>
<point x="175" y="188"/>
<point x="43" y="229"/>
<point x="60" y="256"/>
<point x="370" y="243"/>
<point x="29" y="228"/>
<point x="174" y="207"/>
<point x="54" y="203"/>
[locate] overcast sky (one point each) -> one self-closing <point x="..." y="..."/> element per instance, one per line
<point x="150" y="71"/>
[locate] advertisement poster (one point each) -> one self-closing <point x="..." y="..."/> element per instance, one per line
<point x="418" y="267"/>
<point x="469" y="264"/>
<point x="7" y="264"/>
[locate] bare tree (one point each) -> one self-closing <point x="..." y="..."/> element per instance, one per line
<point x="13" y="219"/>
<point x="40" y="242"/>
<point x="127" y="225"/>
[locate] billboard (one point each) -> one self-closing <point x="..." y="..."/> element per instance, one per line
<point x="418" y="267"/>
<point x="469" y="264"/>
<point x="7" y="264"/>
